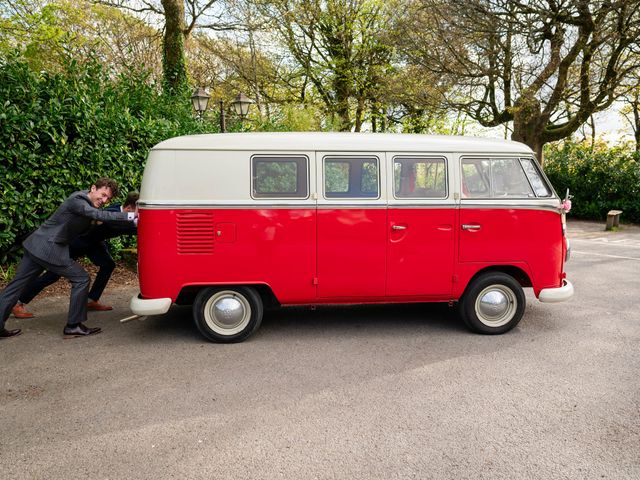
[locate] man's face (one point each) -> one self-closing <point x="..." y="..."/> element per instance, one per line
<point x="99" y="196"/>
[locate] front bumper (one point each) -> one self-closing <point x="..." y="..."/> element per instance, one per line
<point x="149" y="306"/>
<point x="554" y="295"/>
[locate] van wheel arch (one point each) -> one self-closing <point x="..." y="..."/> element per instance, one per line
<point x="188" y="294"/>
<point x="521" y="276"/>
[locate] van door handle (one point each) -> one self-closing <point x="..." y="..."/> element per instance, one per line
<point x="398" y="227"/>
<point x="467" y="226"/>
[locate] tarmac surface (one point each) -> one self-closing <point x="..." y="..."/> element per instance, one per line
<point x="374" y="392"/>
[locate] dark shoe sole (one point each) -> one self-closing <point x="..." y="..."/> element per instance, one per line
<point x="67" y="336"/>
<point x="11" y="336"/>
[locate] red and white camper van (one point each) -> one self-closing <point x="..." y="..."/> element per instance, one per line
<point x="235" y="222"/>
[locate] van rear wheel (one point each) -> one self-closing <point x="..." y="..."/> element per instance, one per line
<point x="227" y="315"/>
<point x="493" y="303"/>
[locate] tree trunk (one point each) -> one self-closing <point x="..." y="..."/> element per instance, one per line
<point x="636" y="121"/>
<point x="528" y="125"/>
<point x="254" y="70"/>
<point x="342" y="90"/>
<point x="173" y="61"/>
<point x="359" y="114"/>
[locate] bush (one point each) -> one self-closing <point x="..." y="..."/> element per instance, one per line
<point x="59" y="132"/>
<point x="600" y="179"/>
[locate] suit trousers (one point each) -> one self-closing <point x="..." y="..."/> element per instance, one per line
<point x="99" y="255"/>
<point x="29" y="269"/>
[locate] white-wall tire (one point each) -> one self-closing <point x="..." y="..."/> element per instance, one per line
<point x="493" y="303"/>
<point x="227" y="315"/>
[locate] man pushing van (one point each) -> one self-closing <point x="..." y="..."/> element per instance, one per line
<point x="93" y="245"/>
<point x="48" y="249"/>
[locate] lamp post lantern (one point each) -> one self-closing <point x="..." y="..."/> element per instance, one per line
<point x="241" y="105"/>
<point x="199" y="100"/>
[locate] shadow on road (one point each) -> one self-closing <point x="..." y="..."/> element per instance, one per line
<point x="324" y="321"/>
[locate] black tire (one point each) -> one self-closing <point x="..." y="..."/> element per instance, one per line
<point x="493" y="303"/>
<point x="227" y="314"/>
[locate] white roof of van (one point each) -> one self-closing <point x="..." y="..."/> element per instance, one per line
<point x="324" y="141"/>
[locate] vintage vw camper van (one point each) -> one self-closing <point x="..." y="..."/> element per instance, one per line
<point x="234" y="223"/>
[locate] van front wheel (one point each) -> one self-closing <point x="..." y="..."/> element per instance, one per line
<point x="493" y="303"/>
<point x="227" y="315"/>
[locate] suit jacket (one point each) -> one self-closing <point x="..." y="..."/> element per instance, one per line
<point x="104" y="231"/>
<point x="50" y="242"/>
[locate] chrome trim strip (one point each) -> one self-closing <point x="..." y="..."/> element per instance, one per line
<point x="424" y="206"/>
<point x="222" y="206"/>
<point x="256" y="206"/>
<point x="325" y="206"/>
<point x="207" y="203"/>
<point x="350" y="206"/>
<point x="487" y="206"/>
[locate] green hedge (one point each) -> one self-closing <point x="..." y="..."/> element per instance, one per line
<point x="59" y="132"/>
<point x="600" y="179"/>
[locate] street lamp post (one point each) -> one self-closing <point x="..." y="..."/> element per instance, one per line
<point x="240" y="105"/>
<point x="223" y="121"/>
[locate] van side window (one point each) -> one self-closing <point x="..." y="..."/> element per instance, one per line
<point x="494" y="178"/>
<point x="280" y="177"/>
<point x="508" y="179"/>
<point x="475" y="178"/>
<point x="351" y="177"/>
<point x="535" y="178"/>
<point x="420" y="177"/>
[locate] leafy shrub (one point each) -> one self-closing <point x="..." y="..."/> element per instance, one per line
<point x="600" y="179"/>
<point x="59" y="132"/>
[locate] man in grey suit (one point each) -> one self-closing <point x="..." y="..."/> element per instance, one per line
<point x="48" y="249"/>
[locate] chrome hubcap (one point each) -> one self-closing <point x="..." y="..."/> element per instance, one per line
<point x="496" y="305"/>
<point x="227" y="312"/>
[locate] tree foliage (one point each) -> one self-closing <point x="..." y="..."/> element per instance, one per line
<point x="180" y="18"/>
<point x="545" y="65"/>
<point x="48" y="33"/>
<point x="342" y="49"/>
<point x="631" y="107"/>
<point x="599" y="177"/>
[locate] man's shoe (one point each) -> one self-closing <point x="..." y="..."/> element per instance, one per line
<point x="97" y="306"/>
<point x="4" y="333"/>
<point x="79" y="330"/>
<point x="20" y="311"/>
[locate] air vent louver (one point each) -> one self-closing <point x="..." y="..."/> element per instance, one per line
<point x="195" y="233"/>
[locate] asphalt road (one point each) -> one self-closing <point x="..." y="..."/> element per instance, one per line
<point x="345" y="393"/>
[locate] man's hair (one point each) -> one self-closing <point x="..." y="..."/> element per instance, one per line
<point x="132" y="199"/>
<point x="108" y="182"/>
